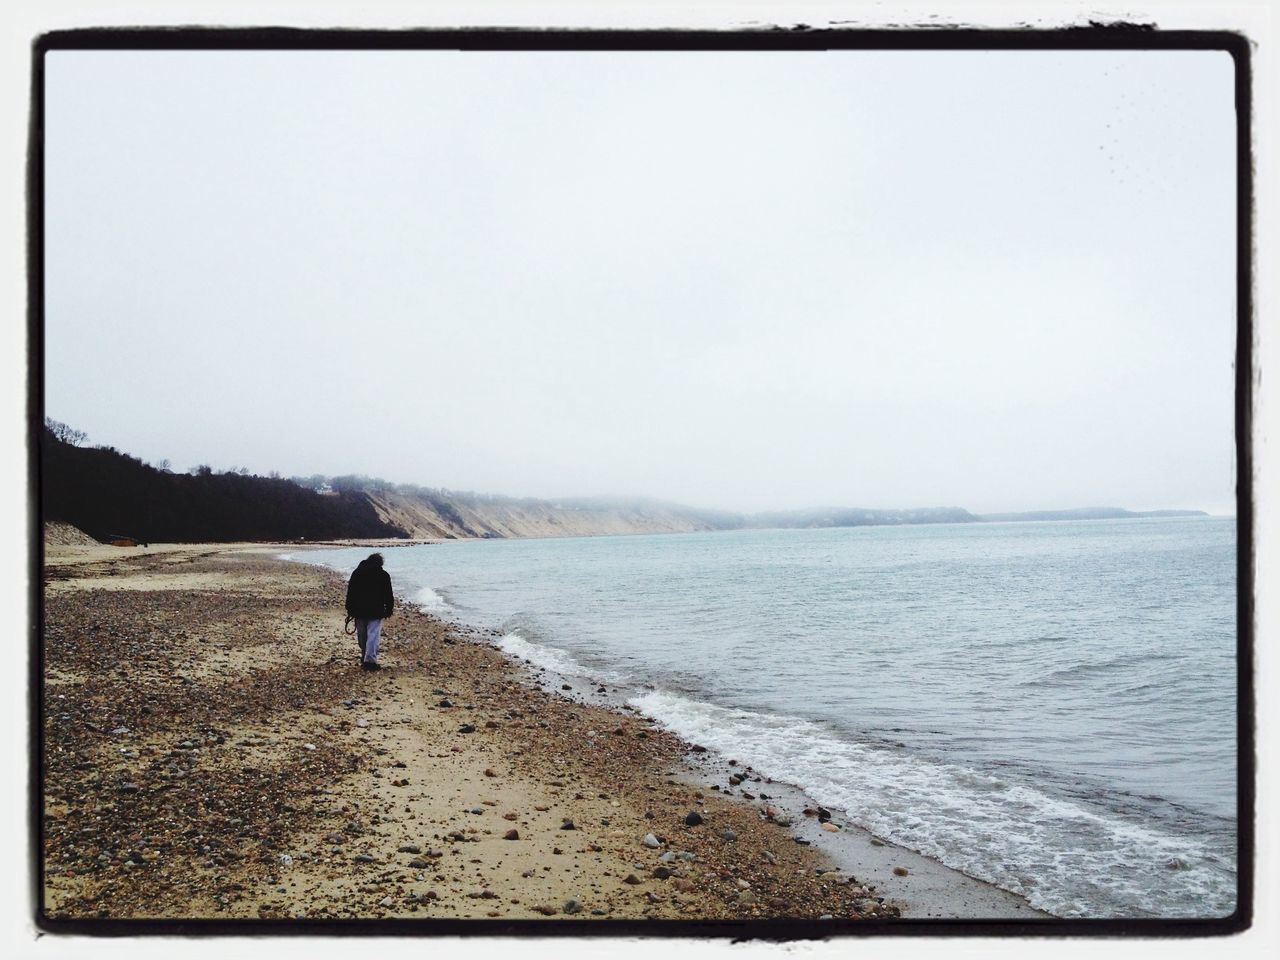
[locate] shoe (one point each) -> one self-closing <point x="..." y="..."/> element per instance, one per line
<point x="369" y="665"/>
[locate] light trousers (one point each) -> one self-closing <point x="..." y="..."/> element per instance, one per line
<point x="368" y="632"/>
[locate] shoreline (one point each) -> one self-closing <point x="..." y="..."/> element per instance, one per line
<point x="356" y="775"/>
<point x="930" y="890"/>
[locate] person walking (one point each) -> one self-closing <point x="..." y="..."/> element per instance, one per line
<point x="369" y="602"/>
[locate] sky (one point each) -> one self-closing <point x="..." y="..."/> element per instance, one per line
<point x="994" y="280"/>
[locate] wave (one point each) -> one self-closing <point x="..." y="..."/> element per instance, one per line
<point x="1084" y="669"/>
<point x="429" y="600"/>
<point x="1062" y="856"/>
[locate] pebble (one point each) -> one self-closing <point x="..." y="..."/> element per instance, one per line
<point x="651" y="841"/>
<point x="385" y="902"/>
<point x="445" y="703"/>
<point x="668" y="856"/>
<point x="877" y="842"/>
<point x="362" y="722"/>
<point x="418" y="864"/>
<point x="747" y="897"/>
<point x="477" y="810"/>
<point x="466" y="728"/>
<point x="568" y="825"/>
<point x="662" y="873"/>
<point x="743" y="885"/>
<point x="631" y="878"/>
<point x="830" y="827"/>
<point x="511" y="835"/>
<point x="364" y="858"/>
<point x="900" y="871"/>
<point x="408" y="848"/>
<point x="729" y="835"/>
<point x="782" y="820"/>
<point x="693" y="819"/>
<point x="572" y="905"/>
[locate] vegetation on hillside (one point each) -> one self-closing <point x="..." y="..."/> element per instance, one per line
<point x="109" y="494"/>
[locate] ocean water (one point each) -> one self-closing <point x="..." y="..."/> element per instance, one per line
<point x="1050" y="707"/>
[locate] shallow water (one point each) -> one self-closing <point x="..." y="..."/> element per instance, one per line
<point x="1047" y="706"/>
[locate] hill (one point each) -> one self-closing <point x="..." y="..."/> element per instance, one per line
<point x="107" y="494"/>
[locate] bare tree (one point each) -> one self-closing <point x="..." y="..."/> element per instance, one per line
<point x="65" y="433"/>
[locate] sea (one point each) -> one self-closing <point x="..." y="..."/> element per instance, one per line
<point x="1046" y="706"/>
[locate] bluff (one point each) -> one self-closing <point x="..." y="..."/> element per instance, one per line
<point x="107" y="494"/>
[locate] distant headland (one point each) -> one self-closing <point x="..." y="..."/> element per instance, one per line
<point x="110" y="495"/>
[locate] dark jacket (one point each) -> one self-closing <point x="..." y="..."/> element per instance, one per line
<point x="369" y="592"/>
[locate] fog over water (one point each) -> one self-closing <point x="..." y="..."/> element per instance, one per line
<point x="996" y="280"/>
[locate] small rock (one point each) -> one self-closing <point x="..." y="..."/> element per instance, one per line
<point x="668" y="856"/>
<point x="568" y="825"/>
<point x="408" y="848"/>
<point x="364" y="858"/>
<point x="572" y="905"/>
<point x="830" y="827"/>
<point x="467" y="728"/>
<point x="488" y="772"/>
<point x="743" y="885"/>
<point x="782" y="820"/>
<point x="827" y="916"/>
<point x="877" y="842"/>
<point x="662" y="873"/>
<point x="681" y="884"/>
<point x="729" y="835"/>
<point x="651" y="841"/>
<point x="1176" y="864"/>
<point x="511" y="835"/>
<point x="631" y="878"/>
<point x="746" y="897"/>
<point x="445" y="703"/>
<point x="385" y="902"/>
<point x="693" y="819"/>
<point x="511" y="816"/>
<point x="362" y="722"/>
<point x="900" y="871"/>
<point x="419" y="864"/>
<point x="477" y="810"/>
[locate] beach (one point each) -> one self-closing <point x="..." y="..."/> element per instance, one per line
<point x="212" y="750"/>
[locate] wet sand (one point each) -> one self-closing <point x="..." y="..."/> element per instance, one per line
<point x="212" y="750"/>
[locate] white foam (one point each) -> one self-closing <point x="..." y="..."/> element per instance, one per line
<point x="1061" y="856"/>
<point x="540" y="655"/>
<point x="429" y="600"/>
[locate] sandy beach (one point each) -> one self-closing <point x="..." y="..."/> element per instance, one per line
<point x="211" y="750"/>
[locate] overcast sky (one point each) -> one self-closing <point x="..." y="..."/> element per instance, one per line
<point x="996" y="280"/>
